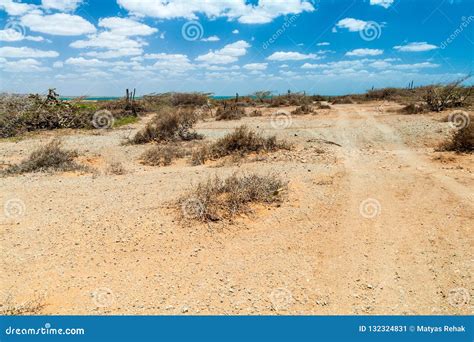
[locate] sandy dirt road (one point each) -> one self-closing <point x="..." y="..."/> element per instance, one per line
<point x="380" y="224"/>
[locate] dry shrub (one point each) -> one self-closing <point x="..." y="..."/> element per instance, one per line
<point x="162" y="155"/>
<point x="116" y="168"/>
<point x="230" y="112"/>
<point x="155" y="101"/>
<point x="386" y="93"/>
<point x="439" y="97"/>
<point x="290" y="100"/>
<point x="30" y="307"/>
<point x="304" y="109"/>
<point x="51" y="157"/>
<point x="413" y="108"/>
<point x="241" y="141"/>
<point x="200" y="155"/>
<point x="169" y="125"/>
<point x="25" y="113"/>
<point x="343" y="100"/>
<point x="323" y="106"/>
<point x="462" y="140"/>
<point x="255" y="112"/>
<point x="189" y="99"/>
<point x="217" y="199"/>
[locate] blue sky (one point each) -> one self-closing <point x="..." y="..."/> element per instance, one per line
<point x="334" y="47"/>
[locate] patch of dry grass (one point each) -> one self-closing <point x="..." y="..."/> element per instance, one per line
<point x="343" y="100"/>
<point x="162" y="155"/>
<point x="229" y="112"/>
<point x="116" y="168"/>
<point x="30" y="307"/>
<point x="241" y="141"/>
<point x="51" y="157"/>
<point x="413" y="108"/>
<point x="222" y="199"/>
<point x="169" y="125"/>
<point x="304" y="109"/>
<point x="255" y="113"/>
<point x="462" y="140"/>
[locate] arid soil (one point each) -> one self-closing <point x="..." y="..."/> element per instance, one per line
<point x="375" y="221"/>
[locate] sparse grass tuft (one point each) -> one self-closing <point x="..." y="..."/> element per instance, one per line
<point x="217" y="199"/>
<point x="126" y="120"/>
<point x="116" y="168"/>
<point x="413" y="108"/>
<point x="343" y="100"/>
<point x="241" y="141"/>
<point x="162" y="155"/>
<point x="255" y="112"/>
<point x="304" y="109"/>
<point x="31" y="307"/>
<point x="169" y="125"/>
<point x="51" y="157"/>
<point x="230" y="112"/>
<point x="462" y="140"/>
<point x="324" y="106"/>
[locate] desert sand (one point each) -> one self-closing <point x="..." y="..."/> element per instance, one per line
<point x="375" y="221"/>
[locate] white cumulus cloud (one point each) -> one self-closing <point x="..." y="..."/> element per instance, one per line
<point x="416" y="47"/>
<point x="60" y="24"/>
<point x="126" y="27"/>
<point x="353" y="25"/>
<point x="211" y="39"/>
<point x="26" y="52"/>
<point x="15" y="8"/>
<point x="383" y="3"/>
<point x="262" y="12"/>
<point x="364" y="52"/>
<point x="256" y="66"/>
<point x="228" y="54"/>
<point x="61" y="5"/>
<point x="290" y="56"/>
<point x="11" y="35"/>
